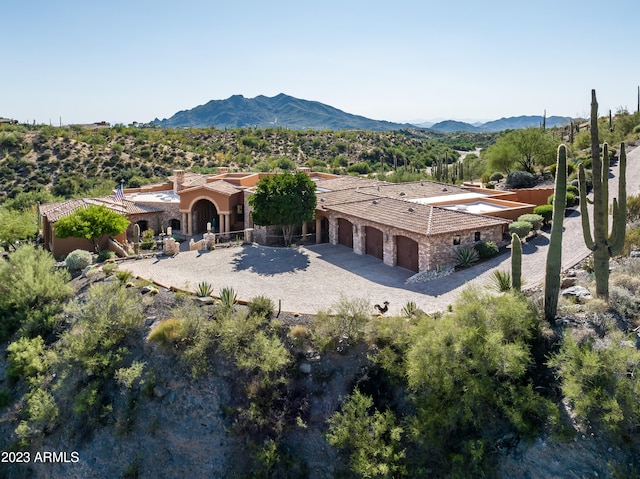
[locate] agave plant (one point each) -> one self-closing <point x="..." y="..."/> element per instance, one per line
<point x="501" y="280"/>
<point x="466" y="256"/>
<point x="228" y="298"/>
<point x="204" y="289"/>
<point x="409" y="309"/>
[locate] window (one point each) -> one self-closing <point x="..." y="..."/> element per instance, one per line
<point x="239" y="213"/>
<point x="456" y="240"/>
<point x="476" y="236"/>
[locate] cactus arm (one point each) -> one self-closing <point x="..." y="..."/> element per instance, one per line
<point x="584" y="214"/>
<point x="516" y="262"/>
<point x="618" y="230"/>
<point x="605" y="176"/>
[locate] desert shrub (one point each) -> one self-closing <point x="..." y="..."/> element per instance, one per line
<point x="130" y="377"/>
<point x="571" y="200"/>
<point x="346" y="320"/>
<point x="490" y="186"/>
<point x="26" y="358"/>
<point x="96" y="342"/>
<point x="264" y="354"/>
<point x="486" y="249"/>
<point x="372" y="439"/>
<point x="362" y="168"/>
<point x="631" y="240"/>
<point x="78" y="260"/>
<point x="109" y="268"/>
<point x="466" y="257"/>
<point x="105" y="255"/>
<point x="573" y="189"/>
<point x="623" y="301"/>
<point x="546" y="211"/>
<point x="299" y="335"/>
<point x="32" y="293"/>
<point x="633" y="208"/>
<point x="497" y="176"/>
<point x="168" y="332"/>
<point x="41" y="412"/>
<point x="124" y="276"/>
<point x="595" y="380"/>
<point x="521" y="228"/>
<point x="261" y="306"/>
<point x="467" y="370"/>
<point x="521" y="179"/>
<point x="535" y="220"/>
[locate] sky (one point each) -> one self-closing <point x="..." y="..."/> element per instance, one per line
<point x="136" y="60"/>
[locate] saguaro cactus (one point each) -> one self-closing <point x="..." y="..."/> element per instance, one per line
<point x="136" y="238"/>
<point x="554" y="254"/>
<point x="603" y="245"/>
<point x="516" y="262"/>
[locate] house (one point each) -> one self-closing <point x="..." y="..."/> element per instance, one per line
<point x="417" y="226"/>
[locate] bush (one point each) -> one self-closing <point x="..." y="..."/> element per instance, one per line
<point x="109" y="268"/>
<point x="105" y="255"/>
<point x="261" y="306"/>
<point x="204" y="289"/>
<point x="633" y="208"/>
<point x="534" y="220"/>
<point x="546" y="211"/>
<point x="78" y="260"/>
<point x="521" y="179"/>
<point x="168" y="332"/>
<point x="596" y="381"/>
<point x="570" y="201"/>
<point x="26" y="358"/>
<point x="346" y="319"/>
<point x="521" y="228"/>
<point x="361" y="168"/>
<point x="497" y="176"/>
<point x="573" y="189"/>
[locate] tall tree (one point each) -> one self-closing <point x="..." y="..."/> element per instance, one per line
<point x="92" y="223"/>
<point x="16" y="226"/>
<point x="285" y="200"/>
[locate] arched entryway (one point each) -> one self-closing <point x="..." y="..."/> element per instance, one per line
<point x="373" y="241"/>
<point x="407" y="253"/>
<point x="203" y="212"/>
<point x="345" y="233"/>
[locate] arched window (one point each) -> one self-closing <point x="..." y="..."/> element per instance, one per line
<point x="175" y="225"/>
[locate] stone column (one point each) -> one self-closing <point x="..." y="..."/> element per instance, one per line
<point x="359" y="239"/>
<point x="318" y="230"/>
<point x="304" y="231"/>
<point x="183" y="223"/>
<point x="227" y="222"/>
<point x="221" y="222"/>
<point x="189" y="223"/>
<point x="389" y="256"/>
<point x="333" y="231"/>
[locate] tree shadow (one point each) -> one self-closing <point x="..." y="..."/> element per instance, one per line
<point x="270" y="261"/>
<point x="532" y="244"/>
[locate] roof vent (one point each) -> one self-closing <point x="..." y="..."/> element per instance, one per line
<point x="411" y="210"/>
<point x="322" y="199"/>
<point x="375" y="202"/>
<point x="402" y="193"/>
<point x="444" y="189"/>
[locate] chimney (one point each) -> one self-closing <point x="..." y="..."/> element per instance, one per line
<point x="178" y="180"/>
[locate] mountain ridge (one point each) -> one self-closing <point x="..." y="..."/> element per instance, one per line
<point x="293" y="113"/>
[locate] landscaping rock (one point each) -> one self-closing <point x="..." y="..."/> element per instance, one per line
<point x="568" y="282"/>
<point x="205" y="300"/>
<point x="577" y="292"/>
<point x="305" y="368"/>
<point x="160" y="392"/>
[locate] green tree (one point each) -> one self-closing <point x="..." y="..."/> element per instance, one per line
<point x="527" y="148"/>
<point x="16" y="226"/>
<point x="32" y="291"/>
<point x="286" y="200"/>
<point x="92" y="223"/>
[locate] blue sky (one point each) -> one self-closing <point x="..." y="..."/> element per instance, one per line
<point x="124" y="61"/>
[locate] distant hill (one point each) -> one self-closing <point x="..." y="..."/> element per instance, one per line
<point x="511" y="123"/>
<point x="278" y="111"/>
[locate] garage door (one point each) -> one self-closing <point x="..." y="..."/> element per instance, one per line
<point x="407" y="253"/>
<point x="373" y="241"/>
<point x="345" y="232"/>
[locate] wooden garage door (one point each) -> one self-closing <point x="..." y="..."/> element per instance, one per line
<point x="345" y="232"/>
<point x="407" y="253"/>
<point x="373" y="241"/>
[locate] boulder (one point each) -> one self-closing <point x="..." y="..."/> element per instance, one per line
<point x="579" y="292"/>
<point x="305" y="368"/>
<point x="568" y="282"/>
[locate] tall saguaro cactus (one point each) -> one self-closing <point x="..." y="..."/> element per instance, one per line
<point x="554" y="254"/>
<point x="603" y="245"/>
<point x="516" y="262"/>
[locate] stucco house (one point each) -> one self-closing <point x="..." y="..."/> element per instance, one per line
<point x="416" y="225"/>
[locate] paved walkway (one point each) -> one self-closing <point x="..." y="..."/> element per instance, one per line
<point x="308" y="279"/>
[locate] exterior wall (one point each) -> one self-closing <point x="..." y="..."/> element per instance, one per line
<point x="534" y="196"/>
<point x="439" y="250"/>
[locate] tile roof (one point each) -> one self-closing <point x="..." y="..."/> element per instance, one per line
<point x="346" y="182"/>
<point x="413" y="190"/>
<point x="55" y="211"/>
<point x="422" y="219"/>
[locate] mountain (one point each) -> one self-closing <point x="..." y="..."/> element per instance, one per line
<point x="264" y="112"/>
<point x="511" y="123"/>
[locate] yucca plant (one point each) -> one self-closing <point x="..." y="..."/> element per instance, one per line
<point x="466" y="256"/>
<point x="409" y="309"/>
<point x="204" y="289"/>
<point x="501" y="280"/>
<point x="228" y="298"/>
